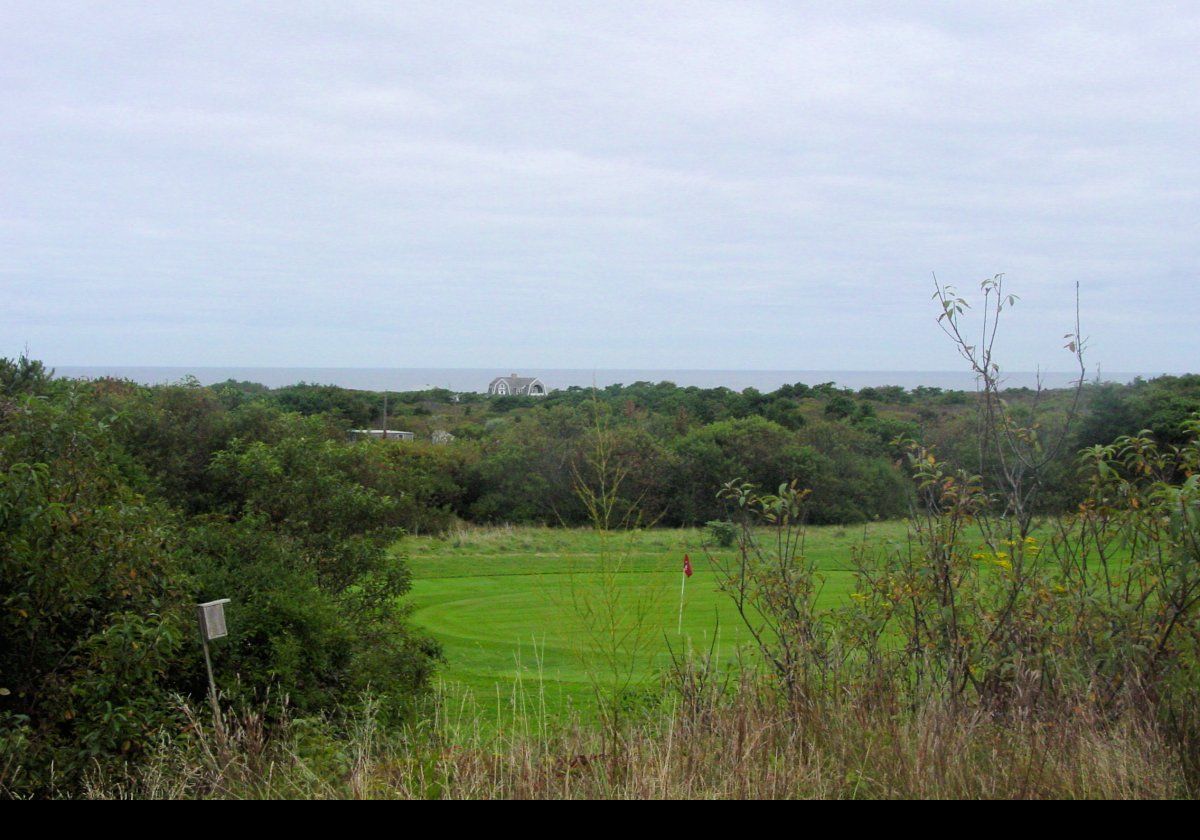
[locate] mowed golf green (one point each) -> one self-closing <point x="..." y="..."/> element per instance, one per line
<point x="506" y="603"/>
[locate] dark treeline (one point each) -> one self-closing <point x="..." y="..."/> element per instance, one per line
<point x="516" y="459"/>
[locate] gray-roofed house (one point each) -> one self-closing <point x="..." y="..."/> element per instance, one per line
<point x="516" y="386"/>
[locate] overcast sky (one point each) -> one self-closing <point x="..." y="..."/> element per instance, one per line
<point x="652" y="185"/>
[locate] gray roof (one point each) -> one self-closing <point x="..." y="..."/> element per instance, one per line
<point x="515" y="383"/>
<point x="517" y="386"/>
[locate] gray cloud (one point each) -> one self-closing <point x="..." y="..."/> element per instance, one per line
<point x="693" y="185"/>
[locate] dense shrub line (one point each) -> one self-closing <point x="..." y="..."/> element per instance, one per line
<point x="513" y="459"/>
<point x="120" y="507"/>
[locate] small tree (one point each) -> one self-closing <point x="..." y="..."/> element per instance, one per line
<point x="619" y="624"/>
<point x="775" y="587"/>
<point x="1022" y="447"/>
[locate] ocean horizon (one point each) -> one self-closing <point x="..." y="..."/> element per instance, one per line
<point x="477" y="379"/>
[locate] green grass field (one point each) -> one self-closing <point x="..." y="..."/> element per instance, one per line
<point x="501" y="602"/>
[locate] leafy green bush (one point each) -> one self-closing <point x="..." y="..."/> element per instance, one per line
<point x="307" y="543"/>
<point x="755" y="449"/>
<point x="291" y="631"/>
<point x="92" y="603"/>
<point x="721" y="533"/>
<point x="120" y="507"/>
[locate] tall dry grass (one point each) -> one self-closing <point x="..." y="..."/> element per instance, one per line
<point x="742" y="744"/>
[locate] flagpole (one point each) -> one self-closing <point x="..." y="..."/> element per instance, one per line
<point x="682" y="587"/>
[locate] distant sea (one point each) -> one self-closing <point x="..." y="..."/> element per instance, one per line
<point x="477" y="379"/>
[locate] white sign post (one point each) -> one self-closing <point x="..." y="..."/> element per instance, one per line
<point x="212" y="626"/>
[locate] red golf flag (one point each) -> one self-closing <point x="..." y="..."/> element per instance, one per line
<point x="687" y="566"/>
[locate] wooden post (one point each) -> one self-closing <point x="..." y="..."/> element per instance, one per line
<point x="211" y="618"/>
<point x="212" y="686"/>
